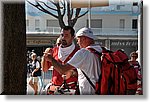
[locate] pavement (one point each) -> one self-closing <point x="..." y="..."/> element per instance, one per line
<point x="46" y="77"/>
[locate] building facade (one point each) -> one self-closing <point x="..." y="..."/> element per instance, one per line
<point x="116" y="26"/>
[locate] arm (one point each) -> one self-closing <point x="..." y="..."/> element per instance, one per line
<point x="45" y="64"/>
<point x="35" y="71"/>
<point x="62" y="69"/>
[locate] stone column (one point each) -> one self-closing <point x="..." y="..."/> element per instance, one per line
<point x="107" y="43"/>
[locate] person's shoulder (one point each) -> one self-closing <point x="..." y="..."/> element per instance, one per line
<point x="132" y="62"/>
<point x="76" y="49"/>
<point x="55" y="48"/>
<point x="83" y="50"/>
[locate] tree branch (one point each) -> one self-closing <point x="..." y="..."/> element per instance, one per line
<point x="61" y="7"/>
<point x="64" y="8"/>
<point x="39" y="7"/>
<point x="74" y="20"/>
<point x="83" y="14"/>
<point x="71" y="13"/>
<point x="54" y="3"/>
<point x="48" y="6"/>
<point x="77" y="12"/>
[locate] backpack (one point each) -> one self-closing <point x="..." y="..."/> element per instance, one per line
<point x="116" y="73"/>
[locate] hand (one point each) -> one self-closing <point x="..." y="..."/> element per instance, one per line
<point x="49" y="50"/>
<point x="47" y="56"/>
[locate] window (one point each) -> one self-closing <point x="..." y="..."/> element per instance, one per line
<point x="134" y="24"/>
<point x="37" y="23"/>
<point x="122" y="24"/>
<point x="135" y="3"/>
<point x="95" y="23"/>
<point x="52" y="26"/>
<point x="118" y="7"/>
<point x="52" y="23"/>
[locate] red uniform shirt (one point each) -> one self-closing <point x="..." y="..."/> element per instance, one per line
<point x="56" y="76"/>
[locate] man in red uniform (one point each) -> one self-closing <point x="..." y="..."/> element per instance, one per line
<point x="62" y="54"/>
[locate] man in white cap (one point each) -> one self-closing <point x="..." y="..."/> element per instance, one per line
<point x="82" y="60"/>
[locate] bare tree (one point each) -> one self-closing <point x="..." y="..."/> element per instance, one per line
<point x="58" y="9"/>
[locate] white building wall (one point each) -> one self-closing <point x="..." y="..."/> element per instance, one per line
<point x="31" y="23"/>
<point x="108" y="22"/>
<point x="82" y="22"/>
<point x="113" y="21"/>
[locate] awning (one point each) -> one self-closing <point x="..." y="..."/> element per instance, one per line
<point x="88" y="3"/>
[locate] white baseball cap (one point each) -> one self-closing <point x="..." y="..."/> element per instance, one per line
<point x="86" y="32"/>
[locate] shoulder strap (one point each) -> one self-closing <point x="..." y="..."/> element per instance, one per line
<point x="71" y="55"/>
<point x="98" y="54"/>
<point x="88" y="80"/>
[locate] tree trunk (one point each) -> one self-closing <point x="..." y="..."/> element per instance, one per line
<point x="14" y="80"/>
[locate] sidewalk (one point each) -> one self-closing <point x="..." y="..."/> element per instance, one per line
<point x="46" y="80"/>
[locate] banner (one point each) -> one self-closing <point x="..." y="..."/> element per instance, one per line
<point x="88" y="3"/>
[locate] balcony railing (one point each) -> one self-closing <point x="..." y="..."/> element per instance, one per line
<point x="53" y="30"/>
<point x="114" y="31"/>
<point x="96" y="31"/>
<point x="48" y="30"/>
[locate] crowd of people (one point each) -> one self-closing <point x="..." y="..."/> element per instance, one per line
<point x="73" y="61"/>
